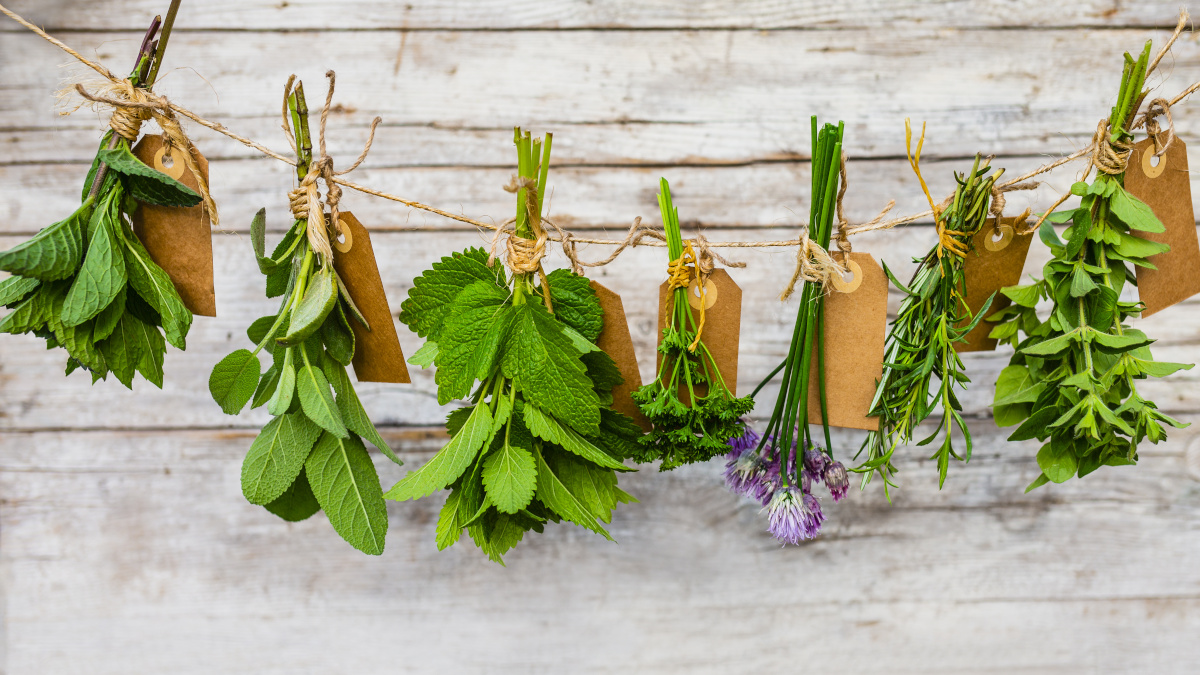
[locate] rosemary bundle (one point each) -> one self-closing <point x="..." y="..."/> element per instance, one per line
<point x="693" y="411"/>
<point x="310" y="456"/>
<point x="933" y="318"/>
<point x="779" y="468"/>
<point x="539" y="440"/>
<point x="86" y="283"/>
<point x="1072" y="382"/>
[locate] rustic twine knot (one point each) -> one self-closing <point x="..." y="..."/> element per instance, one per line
<point x="1109" y="157"/>
<point x="1159" y="107"/>
<point x="998" y="191"/>
<point x="131" y="106"/>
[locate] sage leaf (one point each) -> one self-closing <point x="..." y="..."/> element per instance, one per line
<point x="317" y="402"/>
<point x="276" y="457"/>
<point x="233" y="380"/>
<point x="344" y="481"/>
<point x="296" y="503"/>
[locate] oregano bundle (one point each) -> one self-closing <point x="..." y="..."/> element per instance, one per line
<point x="1072" y="382"/>
<point x="86" y="283"/>
<point x="538" y="441"/>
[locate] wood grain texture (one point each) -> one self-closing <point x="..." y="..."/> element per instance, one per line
<point x="125" y="544"/>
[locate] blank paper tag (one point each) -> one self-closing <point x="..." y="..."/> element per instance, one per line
<point x="854" y="332"/>
<point x="616" y="341"/>
<point x="992" y="264"/>
<point x="377" y="353"/>
<point x="722" y="322"/>
<point x="178" y="239"/>
<point x="1168" y="191"/>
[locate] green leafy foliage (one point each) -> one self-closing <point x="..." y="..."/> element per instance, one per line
<point x="693" y="411"/>
<point x="344" y="481"/>
<point x="921" y="367"/>
<point x="1072" y="382"/>
<point x="86" y="284"/>
<point x="538" y="441"/>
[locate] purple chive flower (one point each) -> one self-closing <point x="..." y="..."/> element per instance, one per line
<point x="744" y="473"/>
<point x="790" y="515"/>
<point x="837" y="480"/>
<point x="747" y="441"/>
<point x="815" y="462"/>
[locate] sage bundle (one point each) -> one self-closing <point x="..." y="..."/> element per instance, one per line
<point x="86" y="283"/>
<point x="538" y="441"/>
<point x="311" y="455"/>
<point x="779" y="468"/>
<point x="933" y="318"/>
<point x="691" y="406"/>
<point x="1072" y="382"/>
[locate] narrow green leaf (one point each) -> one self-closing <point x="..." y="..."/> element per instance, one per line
<point x="557" y="497"/>
<point x="155" y="287"/>
<point x="549" y="429"/>
<point x="102" y="275"/>
<point x="51" y="254"/>
<point x="353" y="413"/>
<point x="450" y="462"/>
<point x="285" y="390"/>
<point x="317" y="401"/>
<point x="146" y="184"/>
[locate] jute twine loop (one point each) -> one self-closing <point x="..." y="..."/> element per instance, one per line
<point x="130" y="107"/>
<point x="305" y="201"/>
<point x="998" y="200"/>
<point x="1159" y="107"/>
<point x="1109" y="157"/>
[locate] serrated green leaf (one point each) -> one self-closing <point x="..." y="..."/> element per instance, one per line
<point x="102" y="275"/>
<point x="319" y="300"/>
<point x="425" y="356"/>
<point x="106" y="320"/>
<point x="549" y="429"/>
<point x="297" y="503"/>
<point x="77" y="340"/>
<point x="542" y="359"/>
<point x="151" y="363"/>
<point x="468" y="331"/>
<point x="575" y="303"/>
<point x="509" y="474"/>
<point x="155" y="287"/>
<point x="353" y="413"/>
<point x="53" y="253"/>
<point x="449" y="529"/>
<point x="593" y="486"/>
<point x="450" y="462"/>
<point x="234" y="379"/>
<point x="558" y="498"/>
<point x="146" y="184"/>
<point x="344" y="481"/>
<point x="317" y="401"/>
<point x="277" y="456"/>
<point x="285" y="389"/>
<point x="1133" y="212"/>
<point x="15" y="289"/>
<point x="424" y="311"/>
<point x="34" y="311"/>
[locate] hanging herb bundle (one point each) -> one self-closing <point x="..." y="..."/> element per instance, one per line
<point x="86" y="283"/>
<point x="693" y="411"/>
<point x="1072" y="382"/>
<point x="779" y="468"/>
<point x="310" y="456"/>
<point x="539" y="441"/>
<point x="933" y="318"/>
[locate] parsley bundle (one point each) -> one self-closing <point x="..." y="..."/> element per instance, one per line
<point x="539" y="441"/>
<point x="86" y="283"/>
<point x="1072" y="381"/>
<point x="693" y="411"/>
<point x="311" y="455"/>
<point x="920" y="346"/>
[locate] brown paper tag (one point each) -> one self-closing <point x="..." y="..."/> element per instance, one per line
<point x="178" y="239"/>
<point x="1167" y="190"/>
<point x="854" y="332"/>
<point x="991" y="264"/>
<point x="616" y="341"/>
<point x="377" y="353"/>
<point x="722" y="322"/>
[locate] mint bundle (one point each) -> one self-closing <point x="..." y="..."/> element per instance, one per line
<point x="693" y="410"/>
<point x="1072" y="382"/>
<point x="86" y="283"/>
<point x="310" y="456"/>
<point x="933" y="319"/>
<point x="539" y="440"/>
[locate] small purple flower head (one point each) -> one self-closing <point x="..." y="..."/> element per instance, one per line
<point x="837" y="480"/>
<point x="815" y="462"/>
<point x="745" y="474"/>
<point x="747" y="441"/>
<point x="790" y="517"/>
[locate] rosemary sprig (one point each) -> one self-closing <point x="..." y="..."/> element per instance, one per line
<point x="920" y="346"/>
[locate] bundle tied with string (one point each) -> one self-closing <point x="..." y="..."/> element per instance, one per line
<point x="305" y="200"/>
<point x="698" y="266"/>
<point x="131" y="106"/>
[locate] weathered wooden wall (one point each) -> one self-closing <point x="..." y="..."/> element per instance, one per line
<point x="125" y="546"/>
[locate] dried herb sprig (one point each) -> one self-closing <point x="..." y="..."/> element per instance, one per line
<point x="310" y="456"/>
<point x="86" y="283"/>
<point x="933" y="318"/>
<point x="539" y="440"/>
<point x="1072" y="381"/>
<point x="693" y="411"/>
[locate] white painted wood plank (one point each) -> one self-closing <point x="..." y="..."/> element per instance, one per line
<point x="573" y="14"/>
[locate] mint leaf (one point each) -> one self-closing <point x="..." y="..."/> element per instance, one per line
<point x="549" y="429"/>
<point x="51" y="254"/>
<point x="540" y="357"/>
<point x="344" y="481"/>
<point x="557" y="497"/>
<point x="450" y="462"/>
<point x="151" y="363"/>
<point x="467" y="327"/>
<point x="297" y="503"/>
<point x="15" y="289"/>
<point x="129" y="343"/>
<point x="509" y="474"/>
<point x="425" y="356"/>
<point x="317" y="402"/>
<point x="277" y="456"/>
<point x="449" y="529"/>
<point x="146" y="184"/>
<point x="424" y="311"/>
<point x="155" y="287"/>
<point x="77" y="340"/>
<point x="233" y="380"/>
<point x="575" y="303"/>
<point x="594" y="487"/>
<point x="103" y="273"/>
<point x="106" y="320"/>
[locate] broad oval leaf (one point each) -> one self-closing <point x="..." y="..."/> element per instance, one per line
<point x="297" y="503"/>
<point x="344" y="481"/>
<point x="317" y="402"/>
<point x="234" y="379"/>
<point x="276" y="457"/>
<point x="308" y="314"/>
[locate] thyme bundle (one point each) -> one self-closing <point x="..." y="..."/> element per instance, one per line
<point x="1072" y="382"/>
<point x="86" y="283"/>
<point x="933" y="318"/>
<point x="693" y="411"/>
